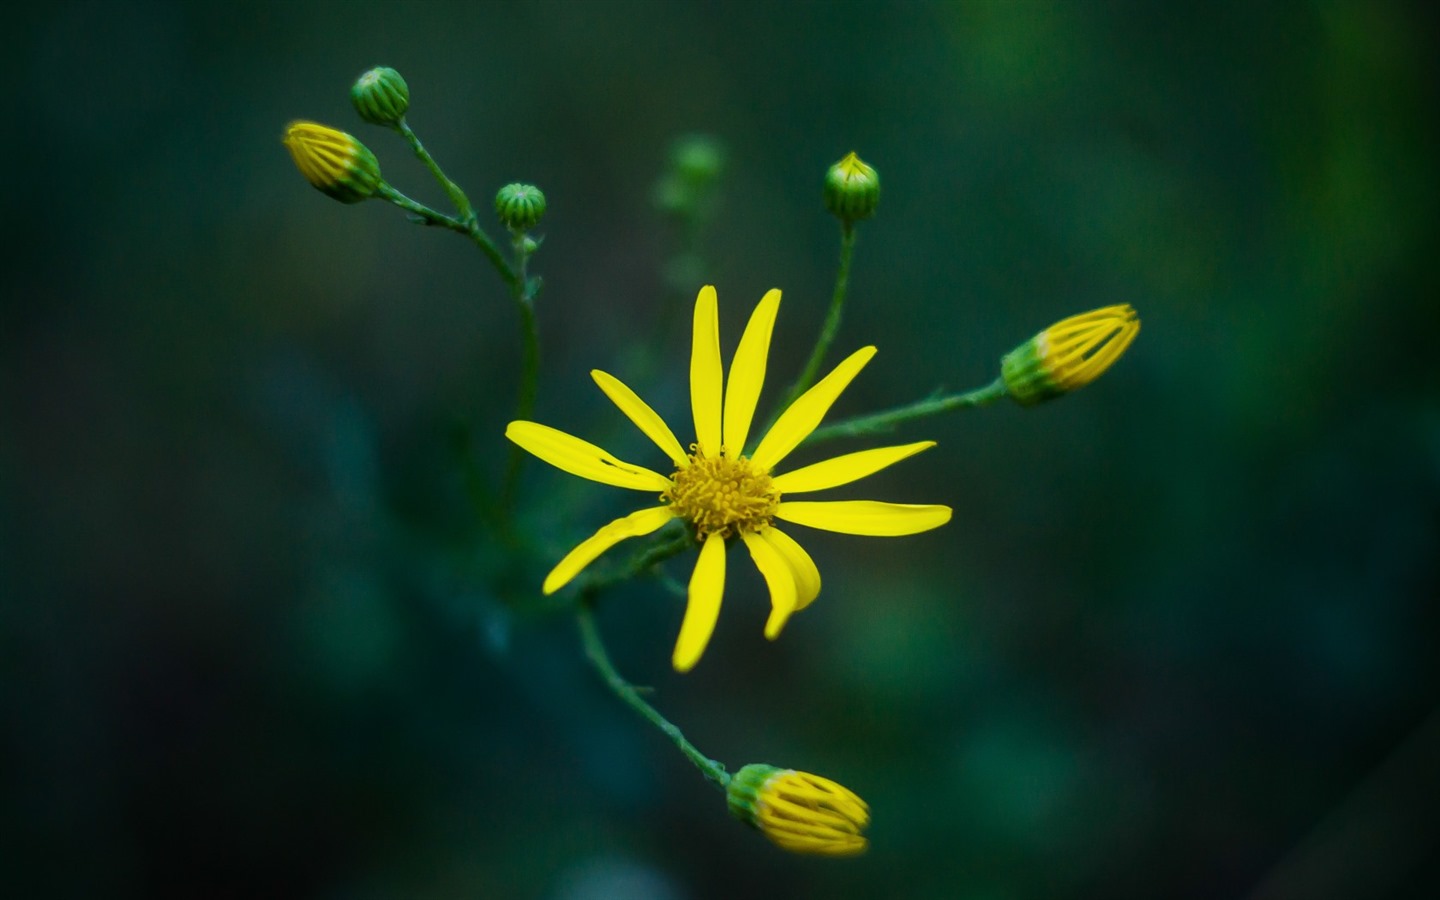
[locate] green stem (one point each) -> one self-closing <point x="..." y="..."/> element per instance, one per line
<point x="523" y="290"/>
<point x="641" y="562"/>
<point x="832" y="319"/>
<point x="492" y="253"/>
<point x="425" y="213"/>
<point x="470" y="229"/>
<point x="457" y="196"/>
<point x="595" y="652"/>
<point x="886" y="421"/>
<point x="467" y="223"/>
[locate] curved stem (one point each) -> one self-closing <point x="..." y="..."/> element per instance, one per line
<point x="492" y="253"/>
<point x="832" y="320"/>
<point x="595" y="652"/>
<point x="886" y="421"/>
<point x="457" y="196"/>
<point x="427" y="215"/>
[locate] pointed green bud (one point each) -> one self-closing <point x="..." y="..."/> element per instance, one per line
<point x="333" y="161"/>
<point x="852" y="189"/>
<point x="520" y="206"/>
<point x="799" y="812"/>
<point x="1069" y="354"/>
<point x="381" y="96"/>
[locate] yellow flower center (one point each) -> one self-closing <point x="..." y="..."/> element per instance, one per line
<point x="724" y="496"/>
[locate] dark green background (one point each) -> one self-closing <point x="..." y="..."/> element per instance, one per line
<point x="1179" y="640"/>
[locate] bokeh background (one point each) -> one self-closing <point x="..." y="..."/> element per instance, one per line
<point x="1180" y="639"/>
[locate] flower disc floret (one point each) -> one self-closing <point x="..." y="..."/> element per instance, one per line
<point x="724" y="496"/>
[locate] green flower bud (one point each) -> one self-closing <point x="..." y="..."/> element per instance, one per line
<point x="852" y="189"/>
<point x="799" y="812"/>
<point x="698" y="158"/>
<point x="1069" y="354"/>
<point x="381" y="96"/>
<point x="520" y="206"/>
<point x="333" y="161"/>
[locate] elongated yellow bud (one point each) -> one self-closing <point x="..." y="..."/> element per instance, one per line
<point x="799" y="812"/>
<point x="334" y="162"/>
<point x="1069" y="354"/>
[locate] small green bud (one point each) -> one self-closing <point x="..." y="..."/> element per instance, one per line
<point x="698" y="158"/>
<point x="333" y="161"/>
<point x="381" y="96"/>
<point x="852" y="189"/>
<point x="520" y="206"/>
<point x="1069" y="354"/>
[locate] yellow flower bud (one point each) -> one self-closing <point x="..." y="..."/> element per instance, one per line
<point x="799" y="812"/>
<point x="333" y="161"/>
<point x="1069" y="354"/>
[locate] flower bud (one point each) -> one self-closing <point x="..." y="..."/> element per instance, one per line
<point x="852" y="189"/>
<point x="381" y="96"/>
<point x="333" y="161"/>
<point x="1069" y="354"/>
<point x="697" y="158"/>
<point x="520" y="206"/>
<point x="799" y="812"/>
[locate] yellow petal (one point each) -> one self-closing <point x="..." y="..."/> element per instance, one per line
<point x="747" y="373"/>
<point x="586" y="552"/>
<point x="567" y="452"/>
<point x="845" y="469"/>
<point x="707" y="586"/>
<point x="868" y="517"/>
<point x="639" y="412"/>
<point x="778" y="576"/>
<point x="806" y="412"/>
<point x="807" y="576"/>
<point x="705" y="374"/>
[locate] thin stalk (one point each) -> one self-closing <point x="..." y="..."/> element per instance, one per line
<point x="832" y="319"/>
<point x="497" y="259"/>
<point x="886" y="421"/>
<point x="523" y="290"/>
<point x="641" y="562"/>
<point x="457" y="196"/>
<point x="425" y="213"/>
<point x="595" y="652"/>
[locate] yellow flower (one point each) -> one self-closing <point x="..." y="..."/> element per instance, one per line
<point x="799" y="812"/>
<point x="1069" y="354"/>
<point x="723" y="493"/>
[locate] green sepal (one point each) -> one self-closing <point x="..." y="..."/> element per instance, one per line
<point x="744" y="789"/>
<point x="1026" y="376"/>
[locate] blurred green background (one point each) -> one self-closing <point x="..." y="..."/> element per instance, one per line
<point x="1179" y="640"/>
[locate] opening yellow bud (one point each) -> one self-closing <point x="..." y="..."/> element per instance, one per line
<point x="1069" y="354"/>
<point x="800" y="812"/>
